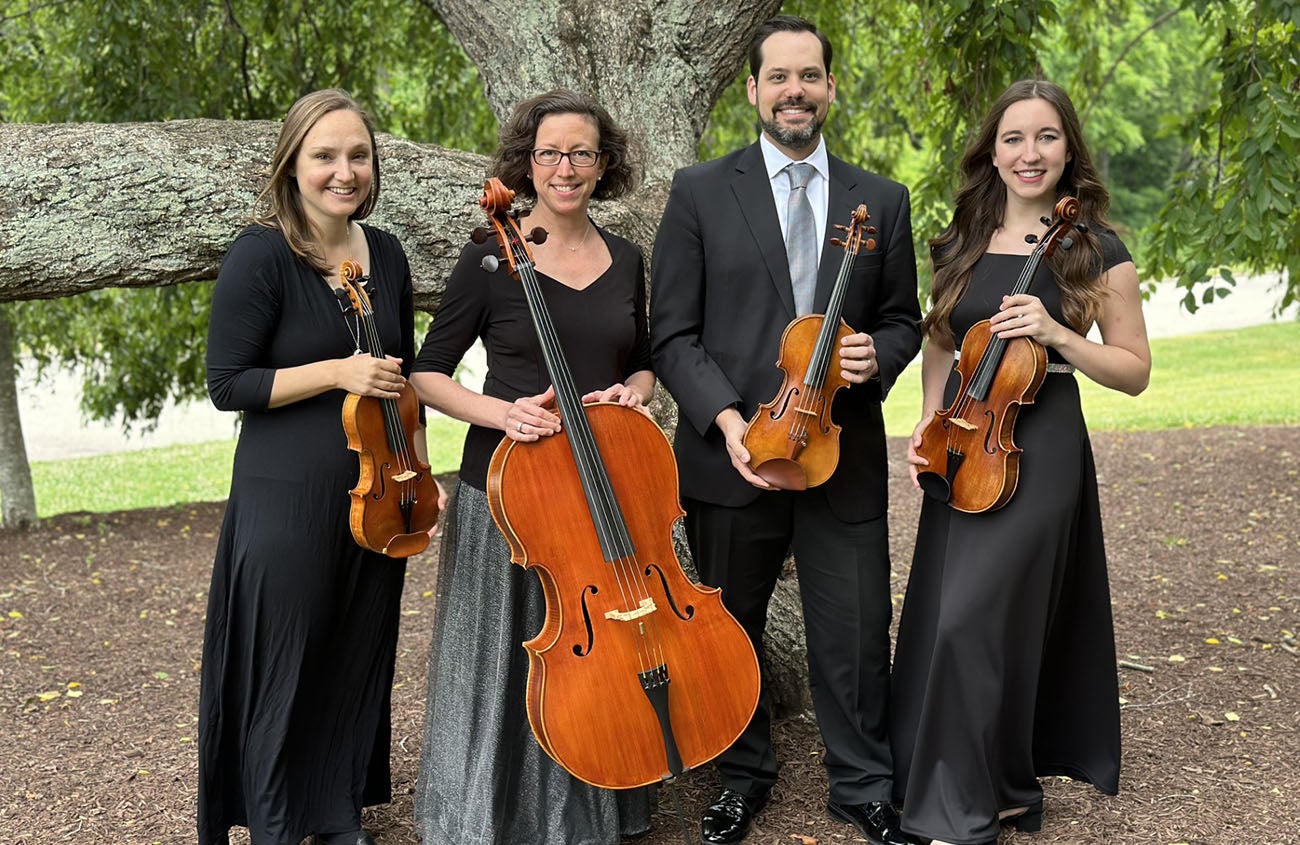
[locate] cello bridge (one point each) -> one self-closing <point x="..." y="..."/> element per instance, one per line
<point x="646" y="607"/>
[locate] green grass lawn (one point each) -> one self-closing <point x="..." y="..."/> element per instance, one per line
<point x="1241" y="377"/>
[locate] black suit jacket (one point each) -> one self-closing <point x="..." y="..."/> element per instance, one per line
<point x="721" y="298"/>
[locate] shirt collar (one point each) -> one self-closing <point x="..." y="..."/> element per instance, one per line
<point x="775" y="161"/>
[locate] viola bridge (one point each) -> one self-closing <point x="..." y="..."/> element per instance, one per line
<point x="645" y="608"/>
<point x="406" y="475"/>
<point x="961" y="423"/>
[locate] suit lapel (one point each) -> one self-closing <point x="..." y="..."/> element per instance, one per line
<point x="839" y="208"/>
<point x="753" y="191"/>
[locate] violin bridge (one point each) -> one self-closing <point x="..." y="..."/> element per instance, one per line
<point x="961" y="423"/>
<point x="407" y="475"/>
<point x="646" y="607"/>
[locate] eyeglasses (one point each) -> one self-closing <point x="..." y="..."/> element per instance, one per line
<point x="578" y="158"/>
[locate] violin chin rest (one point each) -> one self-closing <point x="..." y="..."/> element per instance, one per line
<point x="934" y="485"/>
<point x="783" y="474"/>
<point x="406" y="545"/>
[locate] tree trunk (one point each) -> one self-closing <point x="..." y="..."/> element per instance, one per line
<point x="17" y="497"/>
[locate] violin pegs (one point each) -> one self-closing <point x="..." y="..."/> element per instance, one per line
<point x="1046" y="221"/>
<point x="1066" y="243"/>
<point x="538" y="235"/>
<point x="490" y="263"/>
<point x="841" y="227"/>
<point x="837" y="241"/>
<point x="871" y="244"/>
<point x="479" y="235"/>
<point x="871" y="230"/>
<point x="1082" y="228"/>
<point x="1031" y="239"/>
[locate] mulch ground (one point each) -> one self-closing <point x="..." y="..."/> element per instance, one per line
<point x="101" y="622"/>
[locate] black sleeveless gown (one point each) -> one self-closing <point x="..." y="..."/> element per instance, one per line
<point x="1005" y="664"/>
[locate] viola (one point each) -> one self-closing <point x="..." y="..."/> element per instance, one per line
<point x="974" y="461"/>
<point x="638" y="674"/>
<point x="792" y="441"/>
<point x="395" y="502"/>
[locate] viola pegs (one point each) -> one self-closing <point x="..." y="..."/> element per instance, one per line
<point x="1031" y="239"/>
<point x="480" y="235"/>
<point x="538" y="235"/>
<point x="841" y="227"/>
<point x="1066" y="243"/>
<point x="837" y="241"/>
<point x="1081" y="228"/>
<point x="1046" y="221"/>
<point x="871" y="230"/>
<point x="871" y="244"/>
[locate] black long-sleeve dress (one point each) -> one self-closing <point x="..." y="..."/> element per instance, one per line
<point x="1005" y="665"/>
<point x="301" y="637"/>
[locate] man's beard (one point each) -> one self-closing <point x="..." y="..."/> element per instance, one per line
<point x="796" y="139"/>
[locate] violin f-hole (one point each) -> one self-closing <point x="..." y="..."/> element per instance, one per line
<point x="776" y="413"/>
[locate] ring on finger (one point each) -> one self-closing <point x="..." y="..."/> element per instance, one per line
<point x="521" y="428"/>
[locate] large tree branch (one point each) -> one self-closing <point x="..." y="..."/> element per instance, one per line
<point x="88" y="206"/>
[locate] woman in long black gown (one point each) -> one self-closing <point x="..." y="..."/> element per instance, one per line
<point x="1005" y="664"/>
<point x="301" y="635"/>
<point x="483" y="777"/>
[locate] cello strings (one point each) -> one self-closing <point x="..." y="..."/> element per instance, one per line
<point x="607" y="521"/>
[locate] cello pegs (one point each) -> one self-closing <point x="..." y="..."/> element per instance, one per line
<point x="490" y="263"/>
<point x="479" y="235"/>
<point x="538" y="235"/>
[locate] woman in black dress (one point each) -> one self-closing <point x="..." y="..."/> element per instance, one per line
<point x="1005" y="664"/>
<point x="301" y="635"/>
<point x="483" y="777"/>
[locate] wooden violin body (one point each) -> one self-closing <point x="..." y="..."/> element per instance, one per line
<point x="792" y="441"/>
<point x="975" y="435"/>
<point x="588" y="702"/>
<point x="395" y="502"/>
<point x="974" y="463"/>
<point x="638" y="674"/>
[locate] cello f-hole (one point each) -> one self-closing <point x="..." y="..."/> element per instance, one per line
<point x="579" y="650"/>
<point x="668" y="594"/>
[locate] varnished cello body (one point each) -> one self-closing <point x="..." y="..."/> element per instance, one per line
<point x="974" y="463"/>
<point x="395" y="502"/>
<point x="638" y="674"/>
<point x="793" y="442"/>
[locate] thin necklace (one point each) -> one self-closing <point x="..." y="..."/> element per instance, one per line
<point x="584" y="238"/>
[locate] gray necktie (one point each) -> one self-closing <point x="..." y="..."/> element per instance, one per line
<point x="801" y="238"/>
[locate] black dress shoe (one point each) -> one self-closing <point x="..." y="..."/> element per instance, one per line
<point x="1029" y="821"/>
<point x="356" y="837"/>
<point x="728" y="818"/>
<point x="876" y="820"/>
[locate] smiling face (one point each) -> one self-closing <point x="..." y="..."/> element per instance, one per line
<point x="334" y="168"/>
<point x="563" y="189"/>
<point x="1030" y="151"/>
<point x="792" y="92"/>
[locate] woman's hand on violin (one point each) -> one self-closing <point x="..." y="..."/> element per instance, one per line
<point x="733" y="427"/>
<point x="915" y="461"/>
<point x="858" y="358"/>
<point x="528" y="418"/>
<point x="1023" y="315"/>
<point x="366" y="375"/>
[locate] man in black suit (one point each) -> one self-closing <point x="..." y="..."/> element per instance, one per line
<point x="721" y="298"/>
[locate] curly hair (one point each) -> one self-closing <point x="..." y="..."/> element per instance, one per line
<point x="511" y="163"/>
<point x="279" y="206"/>
<point x="982" y="199"/>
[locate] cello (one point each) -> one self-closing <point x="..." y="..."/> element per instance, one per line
<point x="395" y="502"/>
<point x="638" y="674"/>
<point x="793" y="444"/>
<point x="974" y="463"/>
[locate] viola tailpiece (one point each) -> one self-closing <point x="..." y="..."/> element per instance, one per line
<point x="792" y="441"/>
<point x="638" y="674"/>
<point x="974" y="463"/>
<point x="395" y="502"/>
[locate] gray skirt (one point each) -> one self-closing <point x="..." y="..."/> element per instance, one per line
<point x="483" y="778"/>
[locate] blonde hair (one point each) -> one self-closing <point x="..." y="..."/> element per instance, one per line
<point x="279" y="206"/>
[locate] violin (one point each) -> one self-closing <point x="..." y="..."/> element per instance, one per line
<point x="395" y="502"/>
<point x="792" y="441"/>
<point x="974" y="461"/>
<point x="638" y="674"/>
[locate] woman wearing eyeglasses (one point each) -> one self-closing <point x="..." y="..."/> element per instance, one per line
<point x="483" y="777"/>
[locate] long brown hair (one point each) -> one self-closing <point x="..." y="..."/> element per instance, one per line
<point x="982" y="199"/>
<point x="280" y="204"/>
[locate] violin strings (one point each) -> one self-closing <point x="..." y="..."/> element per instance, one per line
<point x="393" y="430"/>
